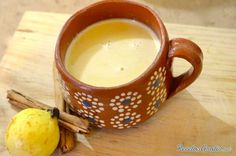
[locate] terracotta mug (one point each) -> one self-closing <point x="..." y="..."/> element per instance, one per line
<point x="129" y="104"/>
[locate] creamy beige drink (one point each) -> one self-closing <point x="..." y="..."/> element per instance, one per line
<point x="112" y="52"/>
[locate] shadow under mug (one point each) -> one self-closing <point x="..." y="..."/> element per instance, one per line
<point x="134" y="102"/>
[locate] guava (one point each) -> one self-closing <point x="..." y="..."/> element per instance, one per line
<point x="32" y="132"/>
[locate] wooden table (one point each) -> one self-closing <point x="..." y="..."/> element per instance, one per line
<point x="204" y="113"/>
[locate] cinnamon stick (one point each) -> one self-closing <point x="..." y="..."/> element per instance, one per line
<point x="71" y="127"/>
<point x="71" y="122"/>
<point x="67" y="138"/>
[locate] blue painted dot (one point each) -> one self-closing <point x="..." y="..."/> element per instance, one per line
<point x="126" y="101"/>
<point x="128" y="120"/>
<point x="157" y="104"/>
<point x="91" y="120"/>
<point x="86" y="103"/>
<point x="156" y="83"/>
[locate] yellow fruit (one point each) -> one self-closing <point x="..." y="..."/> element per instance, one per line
<point x="32" y="132"/>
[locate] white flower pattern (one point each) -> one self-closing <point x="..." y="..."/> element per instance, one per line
<point x="125" y="120"/>
<point x="88" y="102"/>
<point x="156" y="102"/>
<point x="125" y="102"/>
<point x="92" y="118"/>
<point x="157" y="80"/>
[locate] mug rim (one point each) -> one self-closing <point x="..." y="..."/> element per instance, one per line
<point x="163" y="37"/>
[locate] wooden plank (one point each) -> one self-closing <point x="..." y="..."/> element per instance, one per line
<point x="204" y="113"/>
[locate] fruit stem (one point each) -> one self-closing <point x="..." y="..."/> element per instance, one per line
<point x="54" y="112"/>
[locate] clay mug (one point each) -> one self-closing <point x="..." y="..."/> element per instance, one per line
<point x="134" y="102"/>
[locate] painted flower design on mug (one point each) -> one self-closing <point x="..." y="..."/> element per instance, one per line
<point x="125" y="101"/>
<point x="92" y="118"/>
<point x="88" y="102"/>
<point x="157" y="100"/>
<point x="125" y="120"/>
<point x="156" y="81"/>
<point x="65" y="92"/>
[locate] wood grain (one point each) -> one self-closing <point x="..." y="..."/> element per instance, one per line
<point x="204" y="113"/>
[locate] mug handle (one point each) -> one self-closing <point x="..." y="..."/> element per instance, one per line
<point x="188" y="50"/>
